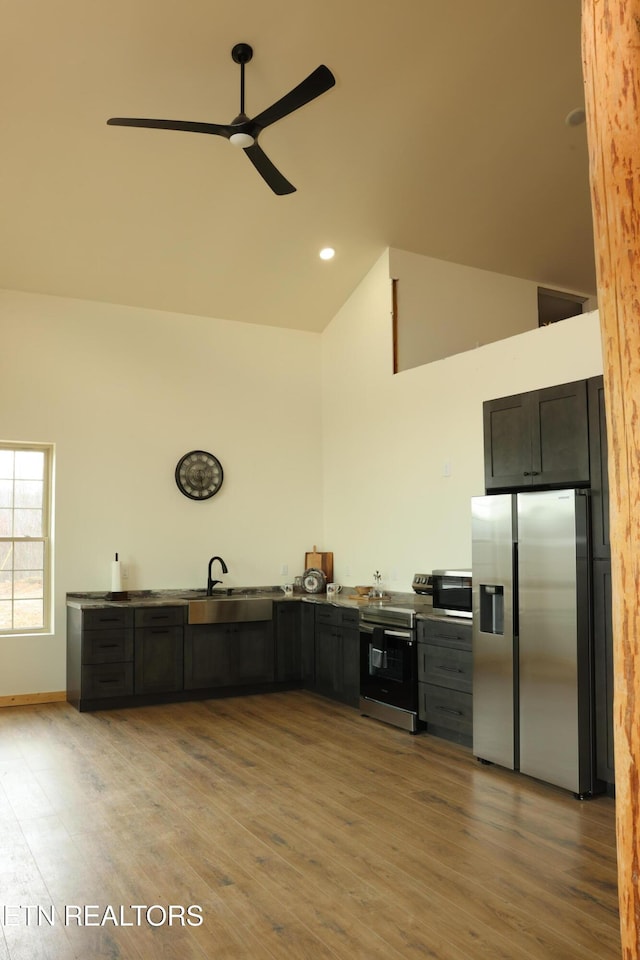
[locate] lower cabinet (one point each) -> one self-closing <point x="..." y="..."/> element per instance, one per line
<point x="123" y="655"/>
<point x="293" y="626"/>
<point x="445" y="677"/>
<point x="158" y="653"/>
<point x="228" y="654"/>
<point x="207" y="655"/>
<point x="337" y="654"/>
<point x="99" y="655"/>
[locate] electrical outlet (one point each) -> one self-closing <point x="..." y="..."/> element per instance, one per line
<point x="284" y="569"/>
<point x="446" y="468"/>
<point x="124" y="571"/>
<point x="394" y="573"/>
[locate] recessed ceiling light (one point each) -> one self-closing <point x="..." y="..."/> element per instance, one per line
<point x="575" y="118"/>
<point x="327" y="253"/>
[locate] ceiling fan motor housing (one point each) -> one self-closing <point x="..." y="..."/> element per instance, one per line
<point x="242" y="53"/>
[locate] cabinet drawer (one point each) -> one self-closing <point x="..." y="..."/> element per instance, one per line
<point x="446" y="710"/>
<point x="350" y="617"/>
<point x="107" y="646"/>
<point x="159" y="616"/>
<point x="107" y="680"/>
<point x="107" y="618"/>
<point x="451" y="632"/>
<point x="340" y="616"/>
<point x="325" y="613"/>
<point x="445" y="666"/>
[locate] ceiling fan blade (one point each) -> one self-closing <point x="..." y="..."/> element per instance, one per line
<point x="193" y="126"/>
<point x="270" y="174"/>
<point x="316" y="83"/>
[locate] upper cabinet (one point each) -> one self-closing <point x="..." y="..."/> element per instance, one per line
<point x="599" y="475"/>
<point x="537" y="439"/>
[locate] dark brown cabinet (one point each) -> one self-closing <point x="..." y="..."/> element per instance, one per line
<point x="337" y="654"/>
<point x="599" y="475"/>
<point x="158" y="651"/>
<point x="537" y="439"/>
<point x="603" y="664"/>
<point x="228" y="655"/>
<point x="445" y="678"/>
<point x="99" y="656"/>
<point x="207" y="656"/>
<point x="254" y="655"/>
<point x="602" y="610"/>
<point x="294" y="642"/>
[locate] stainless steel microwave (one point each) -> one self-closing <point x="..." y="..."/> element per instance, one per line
<point x="452" y="592"/>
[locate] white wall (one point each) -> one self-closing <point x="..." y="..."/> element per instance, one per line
<point x="124" y="393"/>
<point x="445" y="308"/>
<point x="386" y="438"/>
<point x="319" y="441"/>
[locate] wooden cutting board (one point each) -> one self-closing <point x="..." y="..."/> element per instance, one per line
<point x="319" y="560"/>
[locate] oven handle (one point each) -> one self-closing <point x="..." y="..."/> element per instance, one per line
<point x="399" y="634"/>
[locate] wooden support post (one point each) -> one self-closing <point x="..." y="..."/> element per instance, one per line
<point x="611" y="55"/>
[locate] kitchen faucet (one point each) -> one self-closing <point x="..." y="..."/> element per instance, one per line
<point x="211" y="583"/>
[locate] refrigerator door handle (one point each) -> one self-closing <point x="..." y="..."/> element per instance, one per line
<point x="514" y="581"/>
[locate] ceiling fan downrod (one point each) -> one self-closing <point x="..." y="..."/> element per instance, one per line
<point x="242" y="53"/>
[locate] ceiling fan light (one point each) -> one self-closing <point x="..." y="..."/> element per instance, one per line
<point x="243" y="140"/>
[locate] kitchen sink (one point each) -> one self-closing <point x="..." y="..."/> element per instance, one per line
<point x="232" y="609"/>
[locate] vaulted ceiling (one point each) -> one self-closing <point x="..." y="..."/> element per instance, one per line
<point x="444" y="135"/>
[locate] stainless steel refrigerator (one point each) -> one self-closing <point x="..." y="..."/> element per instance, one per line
<point x="532" y="658"/>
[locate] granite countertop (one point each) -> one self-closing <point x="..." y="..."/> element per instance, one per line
<point x="89" y="600"/>
<point x="167" y="598"/>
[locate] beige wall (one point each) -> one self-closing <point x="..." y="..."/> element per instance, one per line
<point x="445" y="308"/>
<point x="124" y="393"/>
<point x="387" y="440"/>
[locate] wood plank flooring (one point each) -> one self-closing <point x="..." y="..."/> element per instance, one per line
<point x="303" y="831"/>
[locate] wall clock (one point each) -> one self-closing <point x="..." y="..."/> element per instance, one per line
<point x="199" y="475"/>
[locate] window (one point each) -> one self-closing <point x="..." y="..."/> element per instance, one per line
<point x="25" y="537"/>
<point x="554" y="305"/>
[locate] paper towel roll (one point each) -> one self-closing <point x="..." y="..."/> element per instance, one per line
<point x="116" y="577"/>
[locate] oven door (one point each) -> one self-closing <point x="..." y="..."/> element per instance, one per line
<point x="389" y="666"/>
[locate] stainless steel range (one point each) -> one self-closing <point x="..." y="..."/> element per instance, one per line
<point x="389" y="665"/>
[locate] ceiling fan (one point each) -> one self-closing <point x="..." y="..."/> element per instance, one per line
<point x="244" y="132"/>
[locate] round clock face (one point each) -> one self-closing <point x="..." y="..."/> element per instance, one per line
<point x="199" y="475"/>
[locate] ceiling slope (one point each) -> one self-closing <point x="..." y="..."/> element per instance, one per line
<point x="444" y="135"/>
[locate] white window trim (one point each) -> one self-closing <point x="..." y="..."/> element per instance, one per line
<point x="47" y="539"/>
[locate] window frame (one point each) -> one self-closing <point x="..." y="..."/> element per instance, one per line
<point x="48" y="450"/>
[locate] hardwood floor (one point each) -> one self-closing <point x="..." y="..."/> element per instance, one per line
<point x="300" y="828"/>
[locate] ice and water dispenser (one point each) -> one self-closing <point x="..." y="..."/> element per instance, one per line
<point x="491" y="608"/>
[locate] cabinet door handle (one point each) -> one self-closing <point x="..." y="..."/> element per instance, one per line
<point x="535" y="473"/>
<point x="108" y="646"/>
<point x="527" y="473"/>
<point x="455" y="713"/>
<point x="443" y="666"/>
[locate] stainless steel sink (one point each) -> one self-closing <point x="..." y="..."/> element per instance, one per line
<point x="229" y="609"/>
